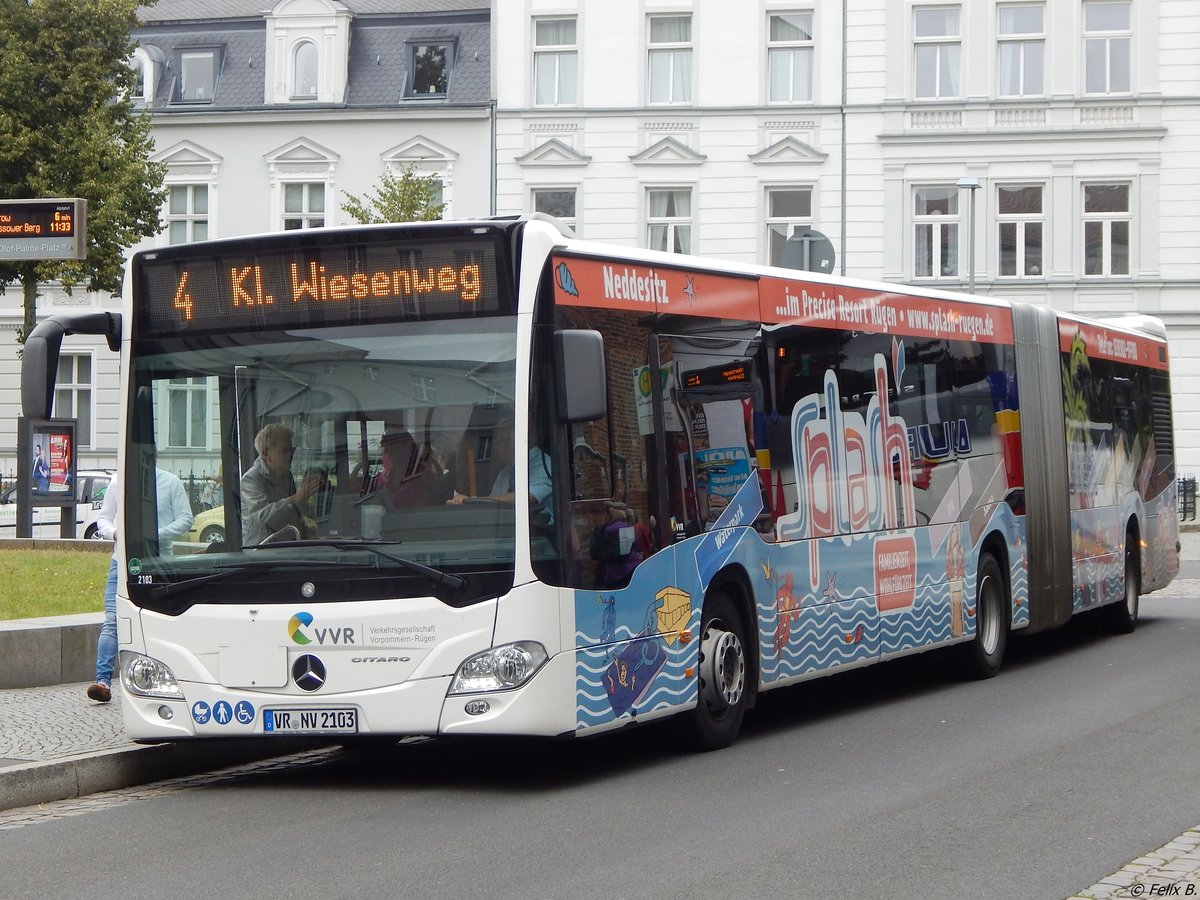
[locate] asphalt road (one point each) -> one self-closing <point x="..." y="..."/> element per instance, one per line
<point x="899" y="781"/>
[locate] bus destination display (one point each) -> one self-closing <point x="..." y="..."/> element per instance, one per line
<point x="325" y="284"/>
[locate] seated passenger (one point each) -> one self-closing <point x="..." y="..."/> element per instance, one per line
<point x="409" y="477"/>
<point x="270" y="498"/>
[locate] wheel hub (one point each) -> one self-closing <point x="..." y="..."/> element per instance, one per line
<point x="723" y="668"/>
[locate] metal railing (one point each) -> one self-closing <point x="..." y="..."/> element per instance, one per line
<point x="1187" y="499"/>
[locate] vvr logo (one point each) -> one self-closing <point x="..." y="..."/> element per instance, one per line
<point x="299" y="631"/>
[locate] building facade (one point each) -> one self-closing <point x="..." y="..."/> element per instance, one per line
<point x="1035" y="151"/>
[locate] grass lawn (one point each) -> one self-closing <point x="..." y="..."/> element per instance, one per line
<point x="36" y="583"/>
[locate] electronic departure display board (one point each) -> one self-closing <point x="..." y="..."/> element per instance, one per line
<point x="309" y="281"/>
<point x="733" y="373"/>
<point x="43" y="229"/>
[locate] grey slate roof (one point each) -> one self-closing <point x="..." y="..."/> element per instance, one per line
<point x="377" y="64"/>
<point x="210" y="10"/>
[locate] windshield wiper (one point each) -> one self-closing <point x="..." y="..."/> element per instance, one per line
<point x="163" y="591"/>
<point x="437" y="576"/>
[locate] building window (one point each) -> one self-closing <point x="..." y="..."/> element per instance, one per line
<point x="790" y="57"/>
<point x="73" y="394"/>
<point x="138" y="89"/>
<point x="1022" y="51"/>
<point x="557" y="202"/>
<point x="429" y="70"/>
<point x="187" y="213"/>
<point x="303" y="205"/>
<point x="555" y="62"/>
<point x="669" y="219"/>
<point x="670" y="59"/>
<point x="145" y="65"/>
<point x="187" y="412"/>
<point x="789" y="209"/>
<point x="305" y="68"/>
<point x="1106" y="223"/>
<point x="1021" y="228"/>
<point x="936" y="52"/>
<point x="197" y="80"/>
<point x="935" y="221"/>
<point x="437" y="194"/>
<point x="1106" y="47"/>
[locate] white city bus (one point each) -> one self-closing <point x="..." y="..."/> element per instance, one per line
<point x="633" y="484"/>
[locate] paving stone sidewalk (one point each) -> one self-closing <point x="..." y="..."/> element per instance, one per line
<point x="56" y="744"/>
<point x="1173" y="870"/>
<point x="46" y="723"/>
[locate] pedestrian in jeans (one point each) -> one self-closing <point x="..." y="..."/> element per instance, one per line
<point x="174" y="520"/>
<point x="106" y="646"/>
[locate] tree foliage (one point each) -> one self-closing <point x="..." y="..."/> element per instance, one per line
<point x="407" y="198"/>
<point x="68" y="128"/>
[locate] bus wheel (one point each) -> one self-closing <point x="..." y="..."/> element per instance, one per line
<point x="717" y="718"/>
<point x="1120" y="618"/>
<point x="992" y="614"/>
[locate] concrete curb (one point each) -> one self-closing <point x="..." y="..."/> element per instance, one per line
<point x="30" y="784"/>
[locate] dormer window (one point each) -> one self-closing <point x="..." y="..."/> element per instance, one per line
<point x="146" y="62"/>
<point x="138" y="90"/>
<point x="305" y="71"/>
<point x="429" y="70"/>
<point x="197" y="78"/>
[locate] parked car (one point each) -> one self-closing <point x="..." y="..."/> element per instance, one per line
<point x="209" y="527"/>
<point x="90" y="486"/>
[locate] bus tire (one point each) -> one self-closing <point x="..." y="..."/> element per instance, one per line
<point x="1121" y="618"/>
<point x="983" y="655"/>
<point x="724" y="665"/>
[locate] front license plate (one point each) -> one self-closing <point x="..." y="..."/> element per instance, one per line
<point x="310" y="721"/>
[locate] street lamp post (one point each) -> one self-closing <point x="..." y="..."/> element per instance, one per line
<point x="972" y="185"/>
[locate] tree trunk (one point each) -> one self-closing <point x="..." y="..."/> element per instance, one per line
<point x="29" y="286"/>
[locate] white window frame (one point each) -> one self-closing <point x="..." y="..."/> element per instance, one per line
<point x="556" y="60"/>
<point x="143" y="76"/>
<point x="680" y="63"/>
<point x="197" y="402"/>
<point x="538" y="192"/>
<point x="947" y="55"/>
<point x="1109" y="43"/>
<point x="1103" y="224"/>
<point x="781" y="227"/>
<point x="210" y="87"/>
<point x="939" y="233"/>
<point x="795" y="53"/>
<point x="1019" y="223"/>
<point x="307" y="216"/>
<point x="75" y="388"/>
<point x="1021" y="50"/>
<point x="672" y="226"/>
<point x="190" y="217"/>
<point x="411" y="49"/>
<point x="297" y="75"/>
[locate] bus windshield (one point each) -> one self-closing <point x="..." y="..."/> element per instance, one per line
<point x="315" y="458"/>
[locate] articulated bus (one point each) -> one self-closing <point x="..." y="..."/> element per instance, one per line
<point x="642" y="484"/>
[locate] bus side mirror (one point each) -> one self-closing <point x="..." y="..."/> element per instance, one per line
<point x="39" y="358"/>
<point x="582" y="382"/>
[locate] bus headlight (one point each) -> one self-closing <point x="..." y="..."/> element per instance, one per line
<point x="145" y="676"/>
<point x="499" y="669"/>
